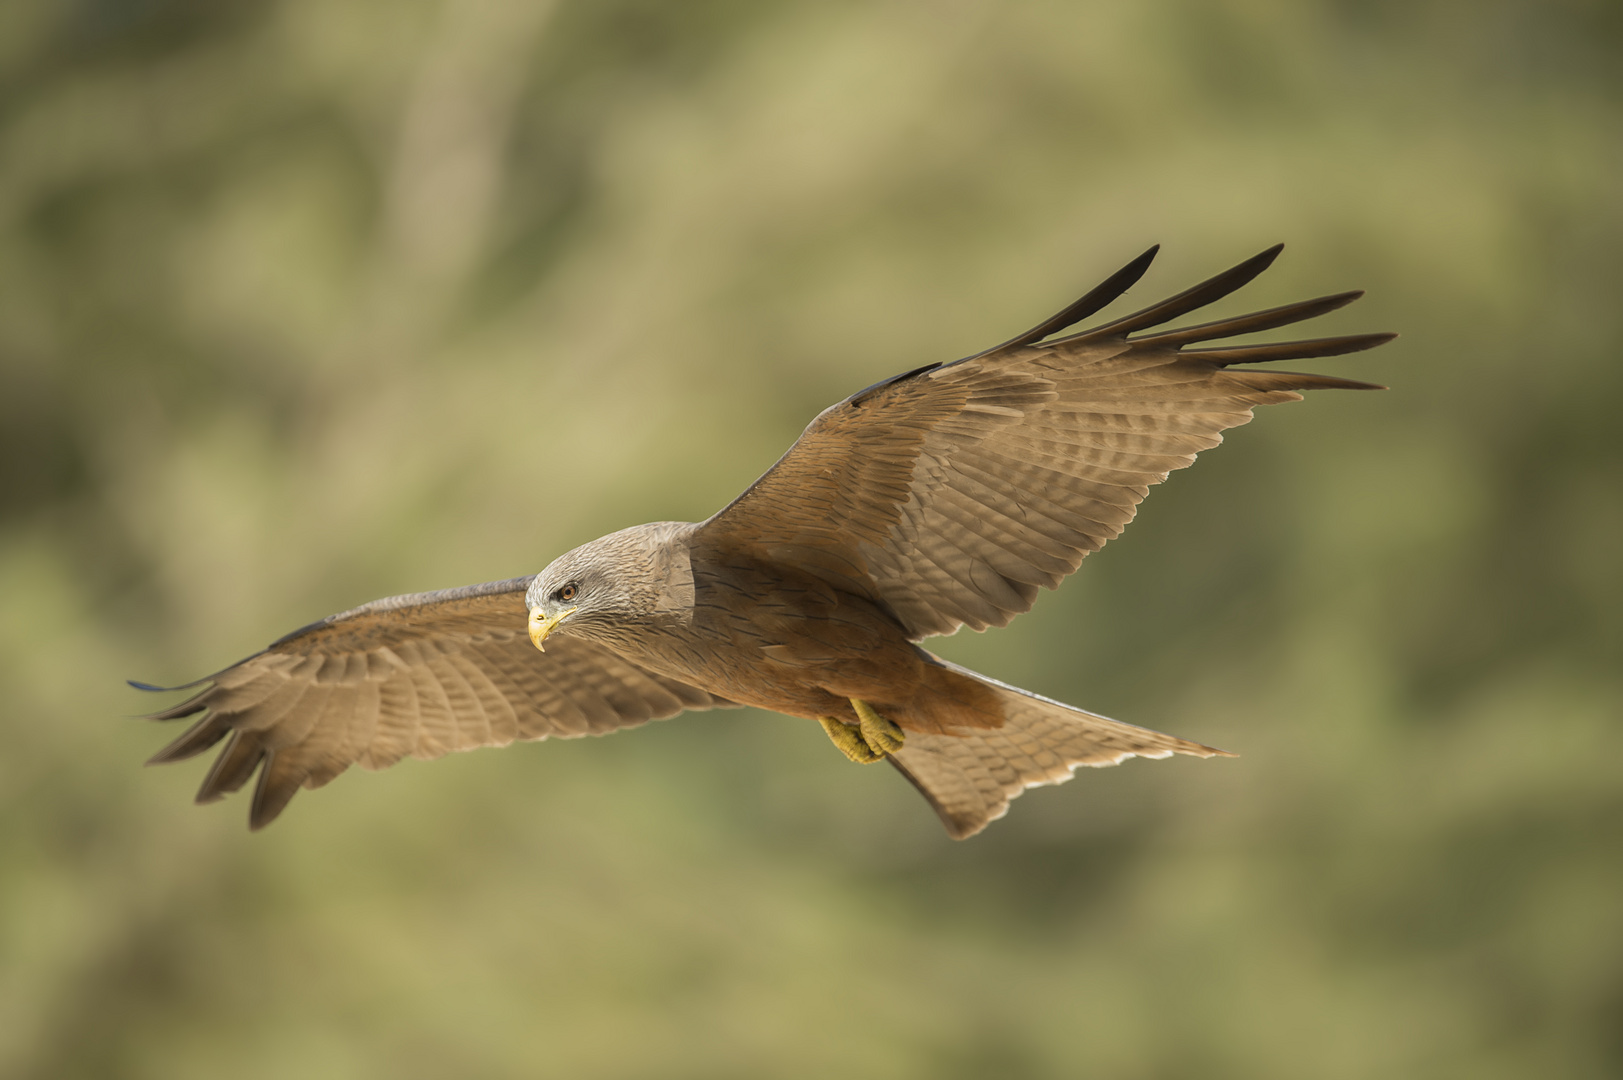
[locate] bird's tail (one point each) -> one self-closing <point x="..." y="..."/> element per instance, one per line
<point x="969" y="777"/>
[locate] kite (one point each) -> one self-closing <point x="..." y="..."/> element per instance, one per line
<point x="940" y="498"/>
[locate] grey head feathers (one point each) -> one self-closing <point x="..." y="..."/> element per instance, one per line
<point x="636" y="576"/>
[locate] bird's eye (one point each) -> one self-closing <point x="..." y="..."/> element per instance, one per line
<point x="568" y="592"/>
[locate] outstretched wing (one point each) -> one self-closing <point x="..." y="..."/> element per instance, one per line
<point x="410" y="676"/>
<point x="950" y="493"/>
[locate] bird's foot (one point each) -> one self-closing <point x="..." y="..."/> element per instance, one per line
<point x="869" y="739"/>
<point x="882" y="735"/>
<point x="848" y="738"/>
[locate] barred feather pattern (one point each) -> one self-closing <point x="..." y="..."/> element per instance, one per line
<point x="417" y="676"/>
<point x="969" y="778"/>
<point x="959" y="490"/>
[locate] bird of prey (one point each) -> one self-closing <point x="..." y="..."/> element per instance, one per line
<point x="940" y="498"/>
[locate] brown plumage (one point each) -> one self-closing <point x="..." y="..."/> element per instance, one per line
<point x="943" y="497"/>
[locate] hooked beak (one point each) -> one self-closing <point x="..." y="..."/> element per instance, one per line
<point x="542" y="624"/>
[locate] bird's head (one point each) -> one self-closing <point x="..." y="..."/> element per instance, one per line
<point x="607" y="588"/>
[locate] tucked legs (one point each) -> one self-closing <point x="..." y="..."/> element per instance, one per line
<point x="849" y="740"/>
<point x="869" y="740"/>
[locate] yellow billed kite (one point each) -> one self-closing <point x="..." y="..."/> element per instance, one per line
<point x="940" y="498"/>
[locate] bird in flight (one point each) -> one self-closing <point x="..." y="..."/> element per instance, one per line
<point x="940" y="498"/>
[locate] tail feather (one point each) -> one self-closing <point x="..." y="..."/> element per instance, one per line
<point x="969" y="778"/>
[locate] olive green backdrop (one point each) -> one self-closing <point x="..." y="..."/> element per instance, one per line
<point x="308" y="302"/>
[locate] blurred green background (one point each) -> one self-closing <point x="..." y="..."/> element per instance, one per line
<point x="305" y="302"/>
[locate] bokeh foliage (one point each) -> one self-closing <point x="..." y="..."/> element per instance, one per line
<point x="309" y="301"/>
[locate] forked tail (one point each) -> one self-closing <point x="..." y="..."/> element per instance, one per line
<point x="970" y="778"/>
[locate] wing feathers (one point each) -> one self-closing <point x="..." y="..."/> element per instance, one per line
<point x="319" y="752"/>
<point x="279" y="781"/>
<point x="960" y="489"/>
<point x="361" y="729"/>
<point x="394" y="726"/>
<point x="198" y="738"/>
<point x="1207" y="292"/>
<point x="1290" y="350"/>
<point x="410" y="676"/>
<point x="1096" y="300"/>
<point x="1281" y="385"/>
<point x="192" y="705"/>
<point x="233" y="767"/>
<point x="1271" y="319"/>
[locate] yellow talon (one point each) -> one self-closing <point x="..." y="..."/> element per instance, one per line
<point x="869" y="739"/>
<point x="849" y="740"/>
<point x="879" y="733"/>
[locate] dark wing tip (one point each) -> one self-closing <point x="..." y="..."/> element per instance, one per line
<point x="1247" y="271"/>
<point x="1288" y="350"/>
<point x="1261" y="261"/>
<point x="191" y="706"/>
<point x="1198" y="296"/>
<point x="271" y="794"/>
<point x="196" y="739"/>
<point x="1096" y="298"/>
<point x="153" y="689"/>
<point x="1258" y="379"/>
<point x="1271" y="319"/>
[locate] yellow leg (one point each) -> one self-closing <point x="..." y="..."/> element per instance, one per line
<point x="849" y="740"/>
<point x="879" y="733"/>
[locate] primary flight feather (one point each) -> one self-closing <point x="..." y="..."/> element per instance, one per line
<point x="940" y="498"/>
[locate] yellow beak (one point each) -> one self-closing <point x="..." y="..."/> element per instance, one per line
<point x="542" y="624"/>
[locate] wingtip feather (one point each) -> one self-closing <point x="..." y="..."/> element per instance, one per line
<point x="1206" y="292"/>
<point x="151" y="688"/>
<point x="1094" y="300"/>
<point x="1271" y="319"/>
<point x="1299" y="380"/>
<point x="190" y="707"/>
<point x="197" y="738"/>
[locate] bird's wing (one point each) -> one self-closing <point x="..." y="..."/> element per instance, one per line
<point x="409" y="676"/>
<point x="950" y="493"/>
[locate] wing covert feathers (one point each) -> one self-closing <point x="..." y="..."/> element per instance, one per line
<point x="951" y="494"/>
<point x="970" y="778"/>
<point x="410" y="676"/>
